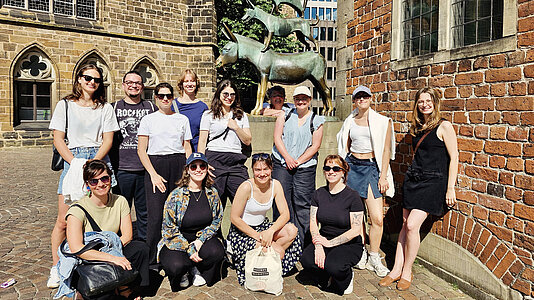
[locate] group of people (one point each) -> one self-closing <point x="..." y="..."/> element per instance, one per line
<point x="179" y="162"/>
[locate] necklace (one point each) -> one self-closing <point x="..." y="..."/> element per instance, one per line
<point x="199" y="195"/>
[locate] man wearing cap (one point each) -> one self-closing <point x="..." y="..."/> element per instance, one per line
<point x="297" y="138"/>
<point x="366" y="140"/>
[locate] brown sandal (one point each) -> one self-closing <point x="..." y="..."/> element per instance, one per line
<point x="404" y="284"/>
<point x="388" y="280"/>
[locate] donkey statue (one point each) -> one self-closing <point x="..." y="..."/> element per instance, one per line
<point x="297" y="5"/>
<point x="281" y="27"/>
<point x="290" y="68"/>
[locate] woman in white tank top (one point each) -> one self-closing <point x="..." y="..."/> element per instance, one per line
<point x="250" y="226"/>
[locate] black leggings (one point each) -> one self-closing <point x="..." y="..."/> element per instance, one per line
<point x="176" y="263"/>
<point x="338" y="263"/>
<point x="169" y="167"/>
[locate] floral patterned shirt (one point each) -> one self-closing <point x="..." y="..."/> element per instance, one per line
<point x="173" y="213"/>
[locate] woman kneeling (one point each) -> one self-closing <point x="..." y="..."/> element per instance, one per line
<point x="338" y="246"/>
<point x="191" y="218"/>
<point x="251" y="228"/>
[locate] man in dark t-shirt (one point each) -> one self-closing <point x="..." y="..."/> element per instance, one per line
<point x="131" y="173"/>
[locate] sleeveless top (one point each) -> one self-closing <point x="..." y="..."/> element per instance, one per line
<point x="432" y="155"/>
<point x="360" y="137"/>
<point x="254" y="212"/>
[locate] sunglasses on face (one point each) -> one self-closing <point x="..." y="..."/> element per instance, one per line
<point x="104" y="179"/>
<point x="163" y="96"/>
<point x="335" y="168"/>
<point x="88" y="78"/>
<point x="202" y="166"/>
<point x="226" y="95"/>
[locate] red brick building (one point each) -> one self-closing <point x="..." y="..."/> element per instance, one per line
<point x="480" y="55"/>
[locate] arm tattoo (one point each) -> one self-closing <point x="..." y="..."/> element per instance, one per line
<point x="356" y="220"/>
<point x="313" y="219"/>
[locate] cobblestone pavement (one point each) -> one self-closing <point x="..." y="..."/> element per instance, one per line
<point x="28" y="209"/>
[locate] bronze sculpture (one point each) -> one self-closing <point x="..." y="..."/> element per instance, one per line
<point x="281" y="27"/>
<point x="284" y="68"/>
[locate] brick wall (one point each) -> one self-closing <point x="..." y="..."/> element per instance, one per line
<point x="490" y="101"/>
<point x="171" y="35"/>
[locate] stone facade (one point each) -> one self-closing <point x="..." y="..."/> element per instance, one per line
<point x="488" y="94"/>
<point x="161" y="37"/>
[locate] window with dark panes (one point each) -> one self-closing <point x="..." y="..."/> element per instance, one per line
<point x="32" y="101"/>
<point x="314" y="13"/>
<point x="77" y="8"/>
<point x="322" y="50"/>
<point x="307" y="13"/>
<point x="15" y="3"/>
<point x="321" y="13"/>
<point x="41" y="5"/>
<point x="330" y="54"/>
<point x="476" y="21"/>
<point x="323" y="34"/>
<point x="330" y="33"/>
<point x="329" y="73"/>
<point x="64" y="7"/>
<point x="420" y="27"/>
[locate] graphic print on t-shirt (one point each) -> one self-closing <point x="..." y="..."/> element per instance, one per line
<point x="129" y="120"/>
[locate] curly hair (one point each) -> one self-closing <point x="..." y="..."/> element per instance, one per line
<point x="418" y="123"/>
<point x="181" y="81"/>
<point x="99" y="97"/>
<point x="339" y="161"/>
<point x="216" y="103"/>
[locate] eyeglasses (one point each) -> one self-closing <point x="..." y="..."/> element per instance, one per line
<point x="88" y="78"/>
<point x="194" y="167"/>
<point x="335" y="168"/>
<point x="301" y="99"/>
<point x="104" y="179"/>
<point x="162" y="96"/>
<point x="130" y="83"/>
<point x="260" y="156"/>
<point x="226" y="95"/>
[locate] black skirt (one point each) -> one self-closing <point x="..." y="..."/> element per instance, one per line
<point x="425" y="190"/>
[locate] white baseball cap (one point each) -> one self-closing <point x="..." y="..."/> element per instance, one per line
<point x="361" y="89"/>
<point x="302" y="90"/>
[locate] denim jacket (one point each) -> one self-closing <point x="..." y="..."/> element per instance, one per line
<point x="173" y="213"/>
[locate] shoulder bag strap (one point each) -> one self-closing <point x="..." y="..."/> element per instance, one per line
<point x="312" y="130"/>
<point x="289" y="114"/>
<point x="87" y="247"/>
<point x="66" y="116"/>
<point x="175" y="106"/>
<point x="89" y="218"/>
<point x="422" y="138"/>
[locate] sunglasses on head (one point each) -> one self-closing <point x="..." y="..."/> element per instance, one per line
<point x="88" y="78"/>
<point x="162" y="96"/>
<point x="104" y="179"/>
<point x="335" y="168"/>
<point x="202" y="166"/>
<point x="260" y="156"/>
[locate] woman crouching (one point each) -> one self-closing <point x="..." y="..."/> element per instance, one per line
<point x="250" y="226"/>
<point x="338" y="246"/>
<point x="191" y="218"/>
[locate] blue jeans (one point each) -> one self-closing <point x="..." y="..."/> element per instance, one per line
<point x="86" y="153"/>
<point x="132" y="187"/>
<point x="298" y="185"/>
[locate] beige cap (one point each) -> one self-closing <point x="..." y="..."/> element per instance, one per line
<point x="302" y="90"/>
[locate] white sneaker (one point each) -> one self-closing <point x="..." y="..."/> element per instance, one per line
<point x="363" y="260"/>
<point x="374" y="263"/>
<point x="198" y="280"/>
<point x="184" y="282"/>
<point x="350" y="288"/>
<point x="53" y="279"/>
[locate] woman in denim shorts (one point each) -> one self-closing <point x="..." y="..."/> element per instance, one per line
<point x="91" y="124"/>
<point x="366" y="139"/>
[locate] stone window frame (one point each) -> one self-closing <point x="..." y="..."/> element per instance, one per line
<point x="51" y="9"/>
<point x="144" y="66"/>
<point x="446" y="51"/>
<point x="21" y="74"/>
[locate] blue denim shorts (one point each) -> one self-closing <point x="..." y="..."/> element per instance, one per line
<point x="362" y="173"/>
<point x="86" y="153"/>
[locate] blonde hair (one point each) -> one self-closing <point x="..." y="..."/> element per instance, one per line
<point x="418" y="120"/>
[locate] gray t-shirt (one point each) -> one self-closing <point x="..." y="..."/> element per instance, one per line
<point x="129" y="117"/>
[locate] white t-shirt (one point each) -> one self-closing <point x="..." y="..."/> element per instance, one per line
<point x="215" y="127"/>
<point x="166" y="133"/>
<point x="86" y="125"/>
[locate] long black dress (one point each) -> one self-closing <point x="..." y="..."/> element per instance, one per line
<point x="425" y="183"/>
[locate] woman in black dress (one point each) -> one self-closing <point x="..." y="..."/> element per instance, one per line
<point x="338" y="246"/>
<point x="429" y="181"/>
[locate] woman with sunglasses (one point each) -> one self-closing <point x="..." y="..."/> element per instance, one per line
<point x="188" y="105"/>
<point x="429" y="182"/>
<point x="111" y="213"/>
<point x="192" y="217"/>
<point x="337" y="246"/>
<point x="222" y="131"/>
<point x="366" y="140"/>
<point x="91" y="125"/>
<point x="250" y="226"/>
<point x="163" y="145"/>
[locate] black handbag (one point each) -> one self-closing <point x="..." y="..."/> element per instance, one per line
<point x="94" y="278"/>
<point x="57" y="159"/>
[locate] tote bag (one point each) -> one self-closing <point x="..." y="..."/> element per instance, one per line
<point x="263" y="271"/>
